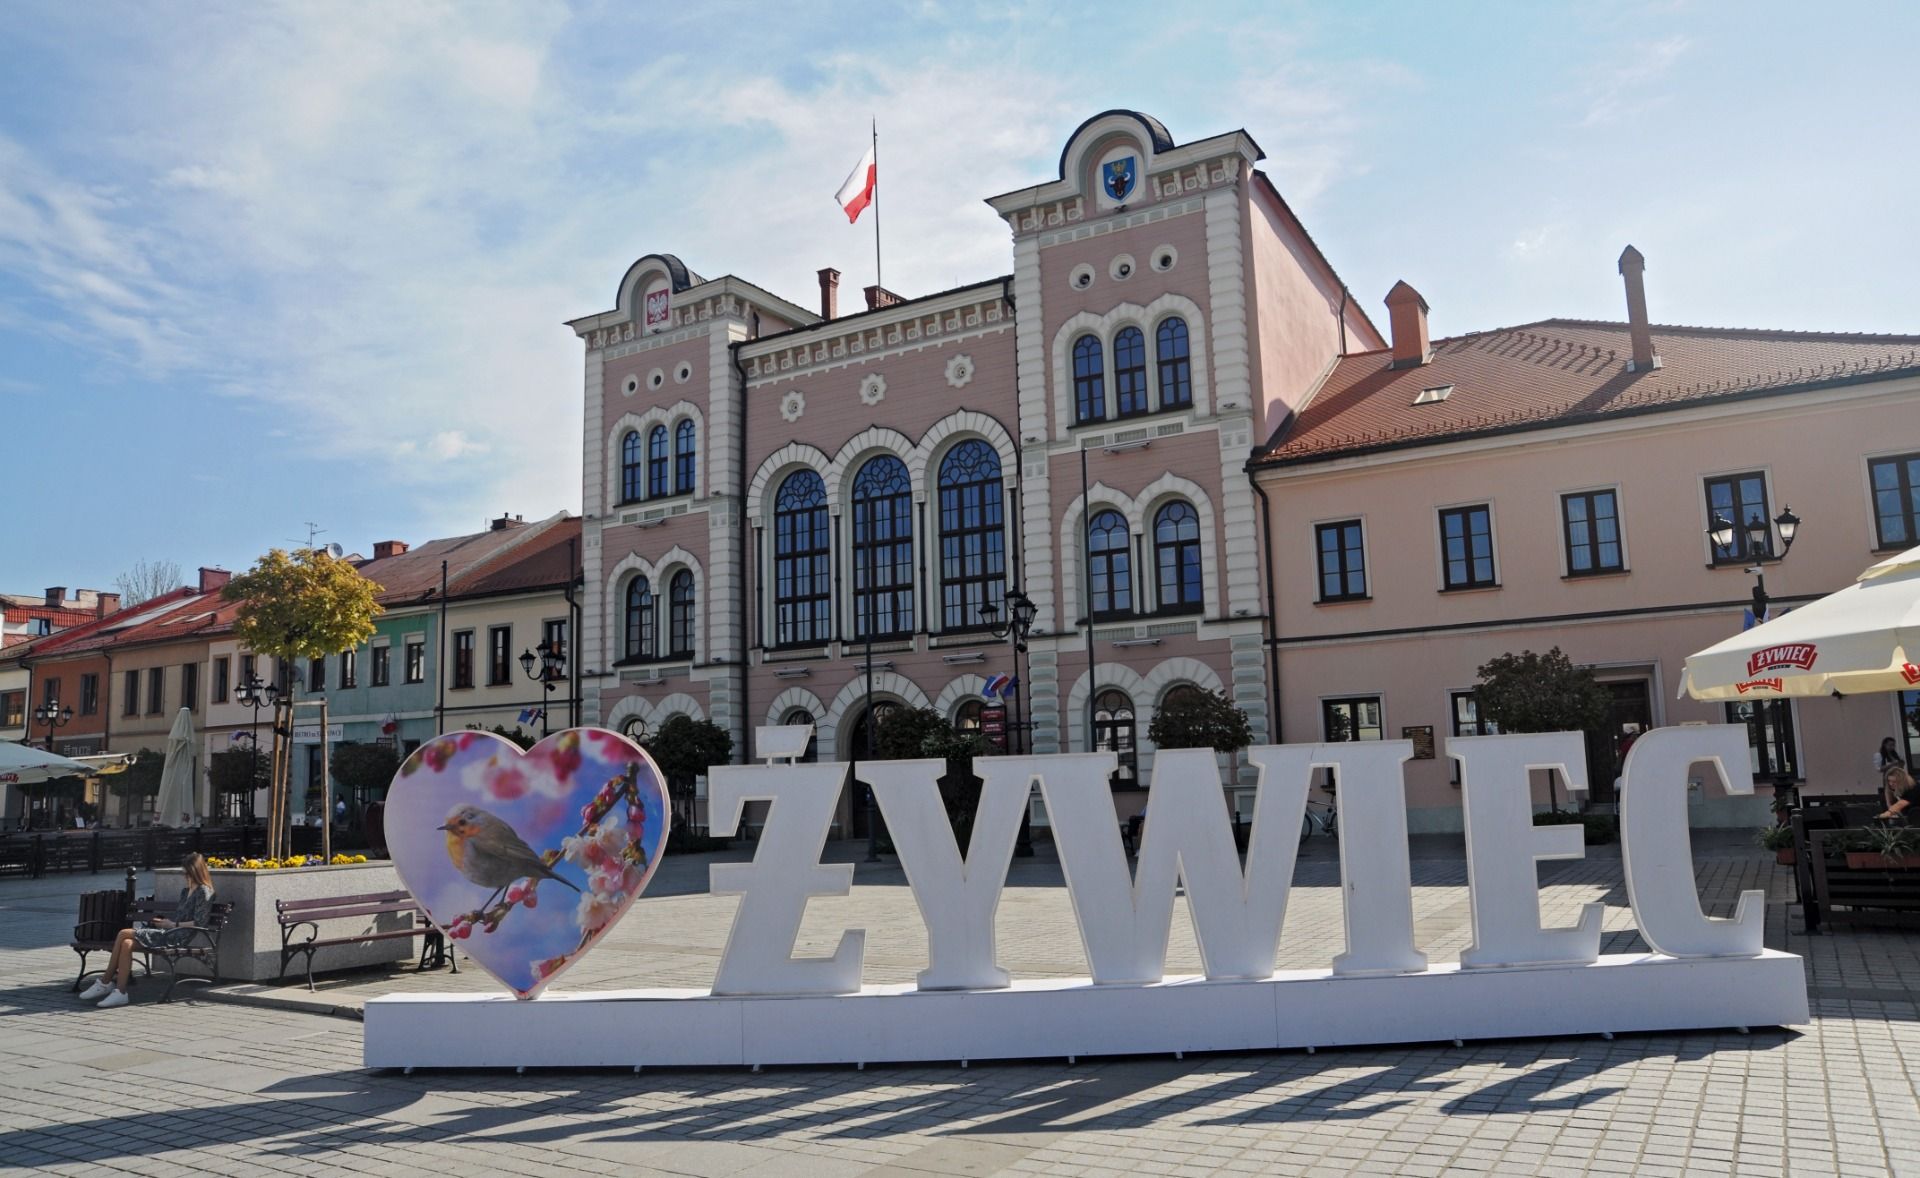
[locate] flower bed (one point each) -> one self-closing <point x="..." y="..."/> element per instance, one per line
<point x="250" y="946"/>
<point x="218" y="864"/>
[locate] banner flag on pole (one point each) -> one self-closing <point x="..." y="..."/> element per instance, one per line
<point x="857" y="192"/>
<point x="994" y="686"/>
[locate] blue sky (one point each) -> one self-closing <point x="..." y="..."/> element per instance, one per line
<point x="265" y="264"/>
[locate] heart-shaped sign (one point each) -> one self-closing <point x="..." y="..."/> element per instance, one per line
<point x="526" y="859"/>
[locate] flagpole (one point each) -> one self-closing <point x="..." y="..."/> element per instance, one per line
<point x="877" y="279"/>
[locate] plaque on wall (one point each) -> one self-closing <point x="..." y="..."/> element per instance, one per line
<point x="1422" y="737"/>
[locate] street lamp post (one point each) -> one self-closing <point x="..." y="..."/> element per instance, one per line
<point x="1757" y="536"/>
<point x="254" y="692"/>
<point x="53" y="716"/>
<point x="552" y="661"/>
<point x="1016" y="627"/>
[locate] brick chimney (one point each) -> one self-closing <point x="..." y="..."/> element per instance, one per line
<point x="829" y="293"/>
<point x="880" y="296"/>
<point x="56" y="596"/>
<point x="501" y="524"/>
<point x="105" y="603"/>
<point x="382" y="549"/>
<point x="1633" y="267"/>
<point x="1408" y="314"/>
<point x="213" y="579"/>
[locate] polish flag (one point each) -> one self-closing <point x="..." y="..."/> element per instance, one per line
<point x="857" y="193"/>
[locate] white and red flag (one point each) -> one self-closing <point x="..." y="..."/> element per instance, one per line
<point x="857" y="193"/>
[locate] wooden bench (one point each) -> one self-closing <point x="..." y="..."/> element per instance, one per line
<point x="298" y="914"/>
<point x="202" y="947"/>
<point x="102" y="916"/>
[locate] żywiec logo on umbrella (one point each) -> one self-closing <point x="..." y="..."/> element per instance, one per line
<point x="1910" y="673"/>
<point x="1775" y="684"/>
<point x="1787" y="654"/>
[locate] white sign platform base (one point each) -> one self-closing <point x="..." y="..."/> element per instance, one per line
<point x="1071" y="1017"/>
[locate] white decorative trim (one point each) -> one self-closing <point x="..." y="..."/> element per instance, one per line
<point x="631" y="385"/>
<point x="1139" y="510"/>
<point x="657" y="574"/>
<point x="1166" y="253"/>
<point x="852" y="456"/>
<point x="885" y="684"/>
<point x="793" y="405"/>
<point x="774" y="470"/>
<point x="1104" y="327"/>
<point x="873" y="389"/>
<point x="957" y="692"/>
<point x="683" y="372"/>
<point x="654" y="712"/>
<point x="1122" y="268"/>
<point x="960" y="371"/>
<point x="656" y="378"/>
<point x="1080" y="278"/>
<point x="1146" y="691"/>
<point x="668" y="415"/>
<point x="791" y="698"/>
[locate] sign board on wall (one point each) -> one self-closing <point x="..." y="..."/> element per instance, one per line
<point x="1421" y="735"/>
<point x="1518" y="977"/>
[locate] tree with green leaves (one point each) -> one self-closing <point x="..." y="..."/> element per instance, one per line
<point x="906" y="734"/>
<point x="303" y="605"/>
<point x="1530" y="692"/>
<point x="141" y="778"/>
<point x="237" y="771"/>
<point x="517" y="735"/>
<point x="685" y="748"/>
<point x="364" y="769"/>
<point x="1195" y="718"/>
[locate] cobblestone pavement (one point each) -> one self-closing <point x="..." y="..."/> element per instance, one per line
<point x="257" y="1082"/>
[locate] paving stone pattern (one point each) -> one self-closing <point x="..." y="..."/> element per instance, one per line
<point x="259" y="1080"/>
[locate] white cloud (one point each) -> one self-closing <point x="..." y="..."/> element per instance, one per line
<point x="1625" y="89"/>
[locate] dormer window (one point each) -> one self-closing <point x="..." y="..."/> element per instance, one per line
<point x="1434" y="395"/>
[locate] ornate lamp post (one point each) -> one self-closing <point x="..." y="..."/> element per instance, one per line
<point x="552" y="662"/>
<point x="1016" y="627"/>
<point x="1757" y="535"/>
<point x="254" y="692"/>
<point x="53" y="716"/>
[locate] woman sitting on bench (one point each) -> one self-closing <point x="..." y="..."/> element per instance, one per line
<point x="196" y="903"/>
<point x="1899" y="786"/>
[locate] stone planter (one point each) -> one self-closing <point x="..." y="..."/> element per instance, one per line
<point x="1784" y="856"/>
<point x="250" y="946"/>
<point x="1875" y="861"/>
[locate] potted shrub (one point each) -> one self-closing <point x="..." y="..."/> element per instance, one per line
<point x="1889" y="848"/>
<point x="1597" y="828"/>
<point x="1779" y="840"/>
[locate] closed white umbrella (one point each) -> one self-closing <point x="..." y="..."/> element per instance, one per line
<point x="1864" y="638"/>
<point x="179" y="799"/>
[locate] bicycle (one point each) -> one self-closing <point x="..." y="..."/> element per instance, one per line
<point x="1323" y="817"/>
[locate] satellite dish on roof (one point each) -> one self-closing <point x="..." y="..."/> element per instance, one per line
<point x="334" y="550"/>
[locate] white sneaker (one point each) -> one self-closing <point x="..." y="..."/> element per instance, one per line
<point x="116" y="998"/>
<point x="96" y="991"/>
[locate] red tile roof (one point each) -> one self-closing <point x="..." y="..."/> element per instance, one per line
<point x="414" y="576"/>
<point x="1564" y="371"/>
<point x="111" y="630"/>
<point x="547" y="560"/>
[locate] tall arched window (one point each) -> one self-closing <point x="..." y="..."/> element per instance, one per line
<point x="1089" y="380"/>
<point x="1113" y="732"/>
<point x="680" y="615"/>
<point x="639" y="629"/>
<point x="1110" y="564"/>
<point x="1176" y="365"/>
<point x="657" y="462"/>
<point x="803" y="716"/>
<point x="802" y="568"/>
<point x="1176" y="556"/>
<point x="683" y="458"/>
<point x="630" y="484"/>
<point x="973" y="546"/>
<point x="882" y="549"/>
<point x="1130" y="373"/>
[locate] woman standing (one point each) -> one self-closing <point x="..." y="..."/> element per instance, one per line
<point x="1884" y="758"/>
<point x="196" y="902"/>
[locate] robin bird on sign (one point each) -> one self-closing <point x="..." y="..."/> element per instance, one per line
<point x="487" y="851"/>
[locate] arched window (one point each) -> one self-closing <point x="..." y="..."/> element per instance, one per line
<point x="630" y="485"/>
<point x="639" y="629"/>
<point x="683" y="458"/>
<point x="1110" y="564"/>
<point x="802" y="570"/>
<point x="803" y="716"/>
<point x="973" y="546"/>
<point x="1176" y="366"/>
<point x="657" y="462"/>
<point x="1113" y="731"/>
<point x="1130" y="373"/>
<point x="882" y="549"/>
<point x="680" y="615"/>
<point x="1089" y="380"/>
<point x="1176" y="556"/>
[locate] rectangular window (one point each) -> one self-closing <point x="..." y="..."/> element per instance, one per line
<point x="554" y="634"/>
<point x="1466" y="547"/>
<point x="382" y="666"/>
<point x="190" y="686"/>
<point x="13" y="709"/>
<point x="248" y="665"/>
<point x="1910" y="726"/>
<point x="499" y="656"/>
<point x="350" y="668"/>
<point x="416" y="667"/>
<point x="130" y="687"/>
<point x="282" y="675"/>
<point x="1770" y="746"/>
<point x="1741" y="500"/>
<point x="1353" y="718"/>
<point x="221" y="669"/>
<point x="316" y="675"/>
<point x="1896" y="500"/>
<point x="1343" y="563"/>
<point x="463" y="659"/>
<point x="89" y="694"/>
<point x="1590" y="526"/>
<point x="156" y="690"/>
<point x="1464" y="711"/>
<point x="49" y="691"/>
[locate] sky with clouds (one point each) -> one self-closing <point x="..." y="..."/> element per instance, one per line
<point x="264" y="264"/>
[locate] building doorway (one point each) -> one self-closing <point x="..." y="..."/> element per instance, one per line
<point x="857" y="741"/>
<point x="1629" y="713"/>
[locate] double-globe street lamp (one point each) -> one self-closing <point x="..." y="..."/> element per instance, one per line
<point x="1015" y="628"/>
<point x="1758" y="546"/>
<point x="553" y="668"/>
<point x="53" y="716"/>
<point x="256" y="693"/>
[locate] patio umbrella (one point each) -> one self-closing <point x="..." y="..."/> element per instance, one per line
<point x="179" y="774"/>
<point x="20" y="765"/>
<point x="1863" y="638"/>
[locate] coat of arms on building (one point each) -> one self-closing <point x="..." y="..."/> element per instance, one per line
<point x="1117" y="177"/>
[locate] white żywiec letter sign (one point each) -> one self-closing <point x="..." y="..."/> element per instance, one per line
<point x="1518" y="977"/>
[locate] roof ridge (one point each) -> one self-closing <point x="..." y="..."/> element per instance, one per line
<point x="1864" y="337"/>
